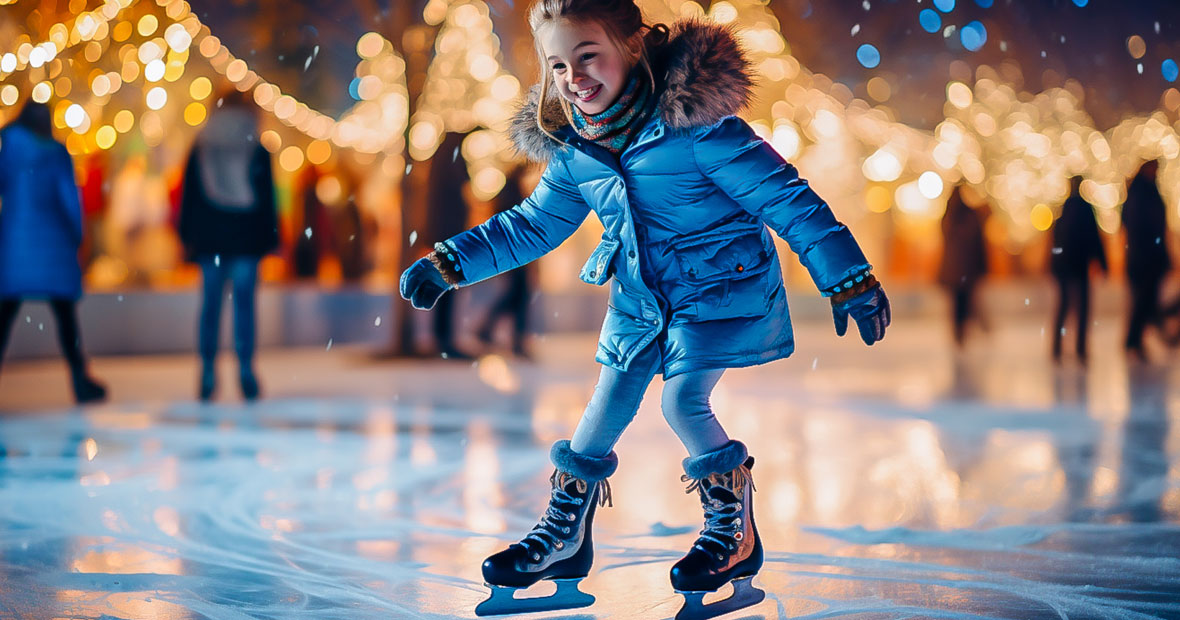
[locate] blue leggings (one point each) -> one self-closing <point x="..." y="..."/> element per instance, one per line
<point x="685" y="402"/>
<point x="242" y="272"/>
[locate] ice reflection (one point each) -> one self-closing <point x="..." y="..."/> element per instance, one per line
<point x="908" y="486"/>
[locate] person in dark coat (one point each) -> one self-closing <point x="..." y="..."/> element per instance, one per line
<point x="964" y="259"/>
<point x="40" y="233"/>
<point x="1144" y="220"/>
<point x="1076" y="245"/>
<point x="227" y="223"/>
<point x="514" y="301"/>
<point x="448" y="217"/>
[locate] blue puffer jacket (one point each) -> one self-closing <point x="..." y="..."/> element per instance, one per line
<point x="685" y="210"/>
<point x="40" y="218"/>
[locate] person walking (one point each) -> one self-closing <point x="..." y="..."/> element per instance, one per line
<point x="40" y="233"/>
<point x="227" y="223"/>
<point x="1076" y="245"/>
<point x="514" y="301"/>
<point x="964" y="260"/>
<point x="1145" y="222"/>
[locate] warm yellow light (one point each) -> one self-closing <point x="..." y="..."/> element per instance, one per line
<point x="369" y="87"/>
<point x="154" y="71"/>
<point x="101" y="85"/>
<point x="149" y="51"/>
<point x="959" y="95"/>
<point x="1136" y="46"/>
<point x="318" y="152"/>
<point x="285" y="107"/>
<point x="209" y="46"/>
<point x="329" y="190"/>
<point x="200" y="88"/>
<point x="122" y="31"/>
<point x="92" y="51"/>
<point x="41" y="92"/>
<point x="369" y="45"/>
<point x="173" y="70"/>
<point x="75" y="116"/>
<point x="178" y="38"/>
<point x="62" y="87"/>
<point x="723" y="12"/>
<point x="879" y="89"/>
<point x="483" y="67"/>
<point x="877" y="199"/>
<point x="505" y="87"/>
<point x="271" y="141"/>
<point x="156" y="98"/>
<point x="194" y="113"/>
<point x="105" y="137"/>
<point x="124" y="120"/>
<point x="130" y="71"/>
<point x="930" y="184"/>
<point x="236" y="70"/>
<point x="291" y="159"/>
<point x="882" y="165"/>
<point x="9" y="94"/>
<point x="152" y="128"/>
<point x="147" y="25"/>
<point x="1041" y="217"/>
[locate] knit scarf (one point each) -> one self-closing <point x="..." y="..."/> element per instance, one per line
<point x="613" y="127"/>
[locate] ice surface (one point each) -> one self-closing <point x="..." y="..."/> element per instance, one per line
<point x="893" y="482"/>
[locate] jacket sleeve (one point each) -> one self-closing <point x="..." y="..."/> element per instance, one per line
<point x="752" y="173"/>
<point x="70" y="200"/>
<point x="525" y="232"/>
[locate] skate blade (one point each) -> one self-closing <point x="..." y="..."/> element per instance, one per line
<point x="744" y="595"/>
<point x="502" y="601"/>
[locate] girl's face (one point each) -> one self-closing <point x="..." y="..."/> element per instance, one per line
<point x="589" y="71"/>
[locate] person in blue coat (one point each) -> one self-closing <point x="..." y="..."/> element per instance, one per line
<point x="40" y="232"/>
<point x="637" y="124"/>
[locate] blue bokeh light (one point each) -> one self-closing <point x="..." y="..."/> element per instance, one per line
<point x="1170" y="70"/>
<point x="973" y="36"/>
<point x="868" y="56"/>
<point x="987" y="4"/>
<point x="946" y="6"/>
<point x="930" y="20"/>
<point x="1081" y="2"/>
<point x="354" y="89"/>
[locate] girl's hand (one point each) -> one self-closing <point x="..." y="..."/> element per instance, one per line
<point x="870" y="310"/>
<point x="423" y="285"/>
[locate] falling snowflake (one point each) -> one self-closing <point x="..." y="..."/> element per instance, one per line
<point x="413" y="236"/>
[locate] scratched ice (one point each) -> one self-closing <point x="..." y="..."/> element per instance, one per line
<point x="896" y="482"/>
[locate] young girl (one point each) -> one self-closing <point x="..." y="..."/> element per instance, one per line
<point x="637" y="123"/>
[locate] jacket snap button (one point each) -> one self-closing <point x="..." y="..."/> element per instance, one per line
<point x="593" y="274"/>
<point x="631" y="253"/>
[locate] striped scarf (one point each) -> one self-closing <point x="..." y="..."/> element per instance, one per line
<point x="612" y="128"/>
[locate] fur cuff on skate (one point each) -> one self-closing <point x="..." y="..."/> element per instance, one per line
<point x="720" y="461"/>
<point x="588" y="468"/>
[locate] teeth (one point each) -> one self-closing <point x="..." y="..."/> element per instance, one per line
<point x="586" y="93"/>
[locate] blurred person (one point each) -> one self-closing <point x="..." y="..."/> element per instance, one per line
<point x="228" y="221"/>
<point x="1144" y="222"/>
<point x="448" y="217"/>
<point x="40" y="233"/>
<point x="514" y="301"/>
<point x="1076" y="245"/>
<point x="964" y="260"/>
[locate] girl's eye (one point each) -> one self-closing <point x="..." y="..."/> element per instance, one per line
<point x="559" y="66"/>
<point x="588" y="56"/>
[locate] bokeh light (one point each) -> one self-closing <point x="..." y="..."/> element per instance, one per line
<point x="194" y="113"/>
<point x="1136" y="47"/>
<point x="946" y="6"/>
<point x="868" y="56"/>
<point x="973" y="36"/>
<point x="1169" y="70"/>
<point x="930" y="20"/>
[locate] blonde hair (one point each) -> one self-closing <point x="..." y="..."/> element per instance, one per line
<point x="620" y="19"/>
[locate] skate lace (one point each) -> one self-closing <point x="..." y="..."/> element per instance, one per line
<point x="558" y="520"/>
<point x="721" y="522"/>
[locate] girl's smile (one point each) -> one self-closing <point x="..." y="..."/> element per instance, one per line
<point x="588" y="70"/>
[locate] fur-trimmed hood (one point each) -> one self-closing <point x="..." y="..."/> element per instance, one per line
<point x="702" y="76"/>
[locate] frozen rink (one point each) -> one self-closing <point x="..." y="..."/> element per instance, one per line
<point x="899" y="481"/>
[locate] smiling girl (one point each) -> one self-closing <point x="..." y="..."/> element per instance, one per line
<point x="636" y="123"/>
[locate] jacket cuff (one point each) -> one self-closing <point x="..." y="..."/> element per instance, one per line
<point x="834" y="259"/>
<point x="444" y="259"/>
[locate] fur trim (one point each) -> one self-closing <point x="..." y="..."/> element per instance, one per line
<point x="720" y="461"/>
<point x="581" y="466"/>
<point x="702" y="76"/>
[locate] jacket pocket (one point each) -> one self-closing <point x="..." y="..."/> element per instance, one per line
<point x="597" y="269"/>
<point x="726" y="276"/>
